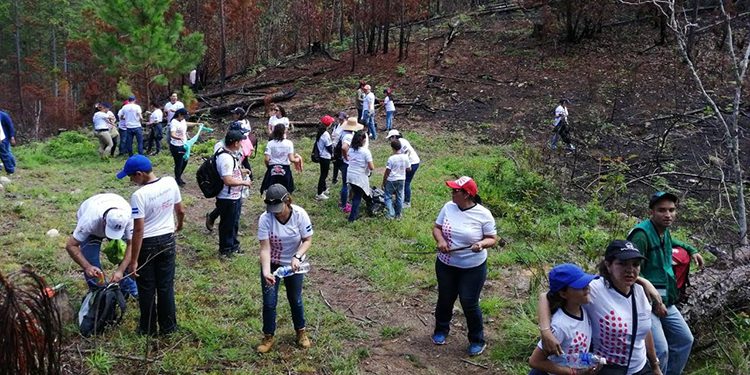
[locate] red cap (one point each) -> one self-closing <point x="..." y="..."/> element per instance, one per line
<point x="464" y="183"/>
<point x="327" y="120"/>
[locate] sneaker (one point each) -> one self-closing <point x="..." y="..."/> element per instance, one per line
<point x="438" y="338"/>
<point x="209" y="222"/>
<point x="321" y="197"/>
<point x="406" y="205"/>
<point x="327" y="192"/>
<point x="302" y="340"/>
<point x="266" y="345"/>
<point x="348" y="208"/>
<point x="476" y="349"/>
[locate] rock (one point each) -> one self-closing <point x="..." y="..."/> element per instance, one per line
<point x="4" y="180"/>
<point x="53" y="233"/>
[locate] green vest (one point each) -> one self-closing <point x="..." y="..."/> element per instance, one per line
<point x="657" y="268"/>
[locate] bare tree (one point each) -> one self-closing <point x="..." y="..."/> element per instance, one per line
<point x="682" y="29"/>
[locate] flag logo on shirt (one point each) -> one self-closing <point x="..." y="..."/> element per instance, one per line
<point x="308" y="228"/>
<point x="134" y="211"/>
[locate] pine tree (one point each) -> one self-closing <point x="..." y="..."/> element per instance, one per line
<point x="139" y="41"/>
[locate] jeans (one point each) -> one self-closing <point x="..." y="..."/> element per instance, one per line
<point x="673" y="341"/>
<point x="123" y="137"/>
<point x="389" y="120"/>
<point x="344" y="196"/>
<point x="393" y="208"/>
<point x="90" y="248"/>
<point x="105" y="142"/>
<point x="466" y="284"/>
<point x="407" y="184"/>
<point x="368" y="119"/>
<point x="6" y="156"/>
<point x="358" y="195"/>
<point x="325" y="166"/>
<point x="293" y="285"/>
<point x="561" y="131"/>
<point x="138" y="134"/>
<point x="154" y="136"/>
<point x="156" y="285"/>
<point x="179" y="162"/>
<point x="229" y="224"/>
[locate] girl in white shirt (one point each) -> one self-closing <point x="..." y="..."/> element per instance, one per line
<point x="177" y="136"/>
<point x="390" y="109"/>
<point x="278" y="156"/>
<point x="358" y="174"/>
<point x="278" y="116"/>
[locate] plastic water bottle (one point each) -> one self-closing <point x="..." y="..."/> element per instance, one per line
<point x="245" y="189"/>
<point x="285" y="271"/>
<point x="584" y="360"/>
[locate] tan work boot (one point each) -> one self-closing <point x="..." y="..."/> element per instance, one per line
<point x="265" y="345"/>
<point x="302" y="340"/>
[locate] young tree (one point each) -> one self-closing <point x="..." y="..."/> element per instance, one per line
<point x="140" y="40"/>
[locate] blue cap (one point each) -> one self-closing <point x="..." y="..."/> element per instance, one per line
<point x="568" y="275"/>
<point x="238" y="127"/>
<point x="131" y="97"/>
<point x="135" y="163"/>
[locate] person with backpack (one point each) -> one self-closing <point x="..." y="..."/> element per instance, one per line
<point x="323" y="147"/>
<point x="394" y="177"/>
<point x="279" y="156"/>
<point x="102" y="216"/>
<point x="561" y="127"/>
<point x="672" y="336"/>
<point x="158" y="214"/>
<point x="341" y="152"/>
<point x="335" y="137"/>
<point x="229" y="200"/>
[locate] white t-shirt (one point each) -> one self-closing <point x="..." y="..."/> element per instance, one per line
<point x="409" y="151"/>
<point x="245" y="124"/>
<point x="273" y="120"/>
<point x="611" y="315"/>
<point x="279" y="151"/>
<point x="397" y="164"/>
<point x="180" y="130"/>
<point x="358" y="163"/>
<point x="91" y="216"/>
<point x="346" y="139"/>
<point x="323" y="143"/>
<point x="368" y="104"/>
<point x="227" y="165"/>
<point x="132" y="113"/>
<point x="154" y="203"/>
<point x="336" y="134"/>
<point x="560" y="112"/>
<point x="156" y="116"/>
<point x="170" y="109"/>
<point x="285" y="238"/>
<point x="121" y="123"/>
<point x="463" y="229"/>
<point x="389" y="105"/>
<point x="101" y="121"/>
<point x="573" y="333"/>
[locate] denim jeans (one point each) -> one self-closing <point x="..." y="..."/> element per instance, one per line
<point x="90" y="248"/>
<point x="293" y="285"/>
<point x="229" y="224"/>
<point x="154" y="136"/>
<point x="393" y="208"/>
<point x="357" y="195"/>
<point x="369" y="120"/>
<point x="389" y="120"/>
<point x="6" y="156"/>
<point x="138" y="134"/>
<point x="344" y="196"/>
<point x="407" y="184"/>
<point x="121" y="146"/>
<point x="179" y="162"/>
<point x="466" y="284"/>
<point x="156" y="285"/>
<point x="673" y="341"/>
<point x="325" y="166"/>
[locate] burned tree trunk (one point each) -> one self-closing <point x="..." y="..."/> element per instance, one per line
<point x="248" y="103"/>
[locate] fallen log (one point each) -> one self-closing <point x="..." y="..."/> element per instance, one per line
<point x="247" y="88"/>
<point x="249" y="103"/>
<point x="453" y="31"/>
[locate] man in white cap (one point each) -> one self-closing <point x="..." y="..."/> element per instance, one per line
<point x="102" y="216"/>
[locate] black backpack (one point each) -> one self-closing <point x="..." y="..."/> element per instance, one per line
<point x="208" y="177"/>
<point x="337" y="149"/>
<point x="315" y="155"/>
<point x="102" y="307"/>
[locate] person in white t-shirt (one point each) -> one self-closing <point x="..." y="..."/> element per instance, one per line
<point x="358" y="174"/>
<point x="172" y="106"/>
<point x="285" y="235"/>
<point x="102" y="125"/>
<point x="278" y="116"/>
<point x="157" y="215"/>
<point x="99" y="217"/>
<point x="229" y="200"/>
<point x="623" y="339"/>
<point x="390" y="108"/>
<point x="336" y="131"/>
<point x="571" y="325"/>
<point x="178" y="135"/>
<point x="133" y="115"/>
<point x="368" y="112"/>
<point x="278" y="157"/>
<point x="464" y="230"/>
<point x="561" y="127"/>
<point x="324" y="145"/>
<point x="414" y="159"/>
<point x="393" y="180"/>
<point x="156" y="133"/>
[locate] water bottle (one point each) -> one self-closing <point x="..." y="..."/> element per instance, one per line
<point x="245" y="189"/>
<point x="285" y="271"/>
<point x="583" y="360"/>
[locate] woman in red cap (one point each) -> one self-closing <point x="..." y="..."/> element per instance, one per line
<point x="324" y="145"/>
<point x="464" y="229"/>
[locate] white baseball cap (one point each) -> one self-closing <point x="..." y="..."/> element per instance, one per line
<point x="116" y="220"/>
<point x="392" y="133"/>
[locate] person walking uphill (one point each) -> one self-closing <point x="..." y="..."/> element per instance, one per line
<point x="285" y="235"/>
<point x="229" y="200"/>
<point x="6" y="154"/>
<point x="672" y="337"/>
<point x="464" y="229"/>
<point x="99" y="217"/>
<point x="155" y="206"/>
<point x="561" y="129"/>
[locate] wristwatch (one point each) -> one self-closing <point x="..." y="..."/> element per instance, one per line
<point x="299" y="258"/>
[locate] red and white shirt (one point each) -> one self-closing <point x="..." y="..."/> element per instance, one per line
<point x="463" y="228"/>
